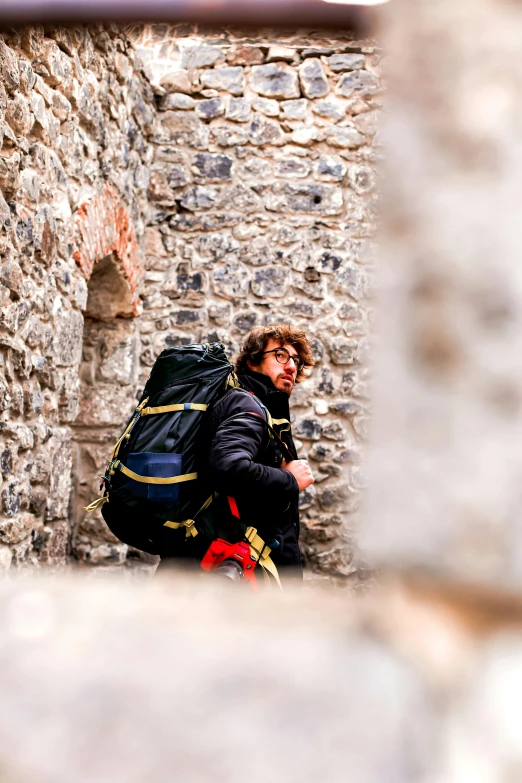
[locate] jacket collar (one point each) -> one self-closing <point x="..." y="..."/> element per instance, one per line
<point x="276" y="401"/>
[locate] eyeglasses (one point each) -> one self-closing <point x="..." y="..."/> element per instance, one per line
<point x="283" y="357"/>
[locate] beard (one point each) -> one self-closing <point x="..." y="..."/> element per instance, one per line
<point x="285" y="383"/>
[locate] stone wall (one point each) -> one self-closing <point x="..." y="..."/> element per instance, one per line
<point x="74" y="114"/>
<point x="211" y="183"/>
<point x="261" y="209"/>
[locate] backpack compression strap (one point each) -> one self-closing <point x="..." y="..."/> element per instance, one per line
<point x="117" y="465"/>
<point x="189" y="523"/>
<point x="183" y="406"/>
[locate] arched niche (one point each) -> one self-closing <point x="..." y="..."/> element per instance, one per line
<point x="107" y="253"/>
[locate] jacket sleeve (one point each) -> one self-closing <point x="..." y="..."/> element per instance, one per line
<point x="232" y="466"/>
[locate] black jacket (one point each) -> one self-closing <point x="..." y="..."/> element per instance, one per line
<point x="243" y="463"/>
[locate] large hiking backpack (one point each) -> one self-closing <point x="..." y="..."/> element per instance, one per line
<point x="151" y="482"/>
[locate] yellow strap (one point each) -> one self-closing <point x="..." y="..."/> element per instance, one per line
<point x="120" y="441"/>
<point x="232" y="381"/>
<point x="281" y="422"/>
<point x="96" y="504"/>
<point x="189" y="523"/>
<point x="151" y="480"/>
<point x="142" y="404"/>
<point x="129" y="427"/>
<point x="194" y="406"/>
<point x="262" y="553"/>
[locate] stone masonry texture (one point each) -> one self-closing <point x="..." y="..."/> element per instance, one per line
<point x="161" y="186"/>
<point x="75" y="113"/>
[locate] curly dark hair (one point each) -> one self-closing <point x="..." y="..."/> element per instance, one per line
<point x="259" y="337"/>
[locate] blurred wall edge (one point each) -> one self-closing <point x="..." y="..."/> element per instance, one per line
<point x="446" y="491"/>
<point x="273" y="13"/>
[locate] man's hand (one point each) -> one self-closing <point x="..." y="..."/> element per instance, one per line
<point x="300" y="469"/>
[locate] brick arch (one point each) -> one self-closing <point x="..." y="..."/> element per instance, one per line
<point x="104" y="228"/>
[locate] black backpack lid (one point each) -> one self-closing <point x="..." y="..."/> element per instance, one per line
<point x="186" y="363"/>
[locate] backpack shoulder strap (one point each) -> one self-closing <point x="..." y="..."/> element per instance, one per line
<point x="269" y="422"/>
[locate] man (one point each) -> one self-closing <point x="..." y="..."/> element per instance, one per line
<point x="245" y="464"/>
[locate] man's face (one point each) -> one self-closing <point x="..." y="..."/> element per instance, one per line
<point x="282" y="375"/>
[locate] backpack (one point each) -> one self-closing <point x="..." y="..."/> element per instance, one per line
<point x="151" y="481"/>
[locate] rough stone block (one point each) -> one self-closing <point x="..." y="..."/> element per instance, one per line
<point x="27" y="76"/>
<point x="349" y="281"/>
<point x="14" y="529"/>
<point x="267" y="106"/>
<point x="333" y="498"/>
<point x="117" y="352"/>
<point x="334" y="430"/>
<point x="275" y="81"/>
<point x="308" y="429"/>
<point x="210" y="109"/>
<point x="295" y="110"/>
<point x="201" y="56"/>
<point x="3" y="101"/>
<point x="214" y="167"/>
<point x="314" y="83"/>
<point x="343" y="351"/>
<point x="176" y="81"/>
<point x="105" y="404"/>
<point x="303" y="197"/>
<point x="277" y="53"/>
<point x="188" y="286"/>
<point x="230" y="80"/>
<point x="11" y="276"/>
<point x="189" y="319"/>
<point x="212" y="222"/>
<point x="244" y="322"/>
<point x="19" y="115"/>
<point x="244" y="55"/>
<point x="238" y="110"/>
<point x="177" y="176"/>
<point x="9" y="175"/>
<point x="159" y="189"/>
<point x="53" y="542"/>
<point x="240" y="198"/>
<point x="200" y="197"/>
<point x="60" y="476"/>
<point x="263" y="131"/>
<point x="182" y="128"/>
<point x="348" y="138"/>
<point x="346" y="62"/>
<point x="270" y="282"/>
<point x="367" y="122"/>
<point x="177" y="101"/>
<point x="293" y="167"/>
<point x="331" y="109"/>
<point x="67" y="338"/>
<point x="361" y="178"/>
<point x="227" y="135"/>
<point x="9" y="69"/>
<point x="360" y="82"/>
<point x="231" y="280"/>
<point x="258" y="252"/>
<point x="330" y="168"/>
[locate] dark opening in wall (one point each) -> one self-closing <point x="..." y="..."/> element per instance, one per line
<point x="108" y="380"/>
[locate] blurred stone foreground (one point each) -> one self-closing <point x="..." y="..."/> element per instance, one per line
<point x="420" y="680"/>
<point x="160" y="681"/>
